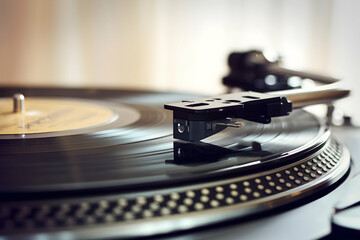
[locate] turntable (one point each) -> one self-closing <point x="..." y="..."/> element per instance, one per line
<point x="101" y="163"/>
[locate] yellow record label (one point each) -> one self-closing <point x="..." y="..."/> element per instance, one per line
<point x="51" y="115"/>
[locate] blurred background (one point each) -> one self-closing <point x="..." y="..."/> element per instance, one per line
<point x="177" y="45"/>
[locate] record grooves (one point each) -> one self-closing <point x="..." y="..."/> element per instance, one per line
<point x="154" y="179"/>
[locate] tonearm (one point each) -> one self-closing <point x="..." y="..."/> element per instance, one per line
<point x="197" y="119"/>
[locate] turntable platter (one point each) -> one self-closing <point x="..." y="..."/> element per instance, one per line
<point x="110" y="179"/>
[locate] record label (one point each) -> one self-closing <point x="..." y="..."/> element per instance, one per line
<point x="44" y="115"/>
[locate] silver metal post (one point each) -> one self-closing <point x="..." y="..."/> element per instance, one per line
<point x="19" y="103"/>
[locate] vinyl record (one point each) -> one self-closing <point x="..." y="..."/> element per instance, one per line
<point x="136" y="150"/>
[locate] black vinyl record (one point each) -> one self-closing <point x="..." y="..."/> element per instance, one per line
<point x="137" y="150"/>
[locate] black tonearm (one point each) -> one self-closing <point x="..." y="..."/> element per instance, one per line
<point x="200" y="118"/>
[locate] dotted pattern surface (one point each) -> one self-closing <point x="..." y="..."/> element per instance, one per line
<point x="35" y="216"/>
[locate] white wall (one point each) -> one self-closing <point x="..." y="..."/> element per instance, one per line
<point x="175" y="45"/>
